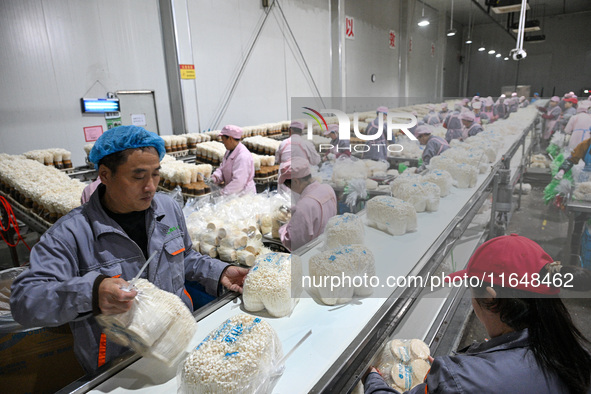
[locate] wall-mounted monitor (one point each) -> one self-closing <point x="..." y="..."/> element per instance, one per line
<point x="99" y="105"/>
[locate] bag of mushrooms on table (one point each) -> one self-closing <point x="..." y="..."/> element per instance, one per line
<point x="404" y="363"/>
<point x="274" y="284"/>
<point x="158" y="325"/>
<point x="241" y="356"/>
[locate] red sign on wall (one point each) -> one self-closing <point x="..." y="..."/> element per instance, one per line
<point x="92" y="133"/>
<point x="349" y="32"/>
<point x="392" y="39"/>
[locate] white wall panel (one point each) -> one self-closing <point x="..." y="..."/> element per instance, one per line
<point x="221" y="35"/>
<point x="369" y="53"/>
<point x="53" y="52"/>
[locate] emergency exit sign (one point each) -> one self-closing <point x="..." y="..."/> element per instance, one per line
<point x="187" y="71"/>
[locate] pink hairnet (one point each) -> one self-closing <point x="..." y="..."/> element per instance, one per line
<point x="232" y="131"/>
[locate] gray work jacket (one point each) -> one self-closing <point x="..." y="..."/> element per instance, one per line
<point x="504" y="364"/>
<point x="85" y="243"/>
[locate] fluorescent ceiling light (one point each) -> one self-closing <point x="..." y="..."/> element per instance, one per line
<point x="491" y="52"/>
<point x="498" y="55"/>
<point x="468" y="41"/>
<point x="481" y="49"/>
<point x="505" y="58"/>
<point x="423" y="22"/>
<point x="451" y="32"/>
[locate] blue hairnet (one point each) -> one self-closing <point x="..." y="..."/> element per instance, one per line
<point x="124" y="137"/>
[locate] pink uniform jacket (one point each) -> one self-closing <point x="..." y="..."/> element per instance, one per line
<point x="297" y="145"/>
<point x="309" y="216"/>
<point x="88" y="190"/>
<point x="236" y="172"/>
<point x="578" y="126"/>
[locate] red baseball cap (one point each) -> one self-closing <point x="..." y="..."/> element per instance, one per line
<point x="572" y="100"/>
<point x="505" y="257"/>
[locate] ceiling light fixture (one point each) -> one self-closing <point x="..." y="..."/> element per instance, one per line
<point x="451" y="32"/>
<point x="505" y="58"/>
<point x="423" y="21"/>
<point x="469" y="39"/>
<point x="498" y="55"/>
<point x="481" y="49"/>
<point x="491" y="52"/>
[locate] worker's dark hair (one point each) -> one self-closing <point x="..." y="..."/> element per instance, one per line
<point x="114" y="160"/>
<point x="296" y="130"/>
<point x="288" y="183"/>
<point x="555" y="341"/>
<point x="235" y="139"/>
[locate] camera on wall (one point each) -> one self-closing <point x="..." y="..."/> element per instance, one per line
<point x="518" y="54"/>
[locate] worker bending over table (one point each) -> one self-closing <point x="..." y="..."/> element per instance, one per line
<point x="315" y="203"/>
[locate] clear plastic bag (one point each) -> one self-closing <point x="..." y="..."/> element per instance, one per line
<point x="242" y="356"/>
<point x="274" y="284"/>
<point x="6" y="278"/>
<point x="177" y="195"/>
<point x="404" y="363"/>
<point x="158" y="325"/>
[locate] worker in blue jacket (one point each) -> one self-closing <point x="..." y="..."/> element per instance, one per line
<point x="534" y="346"/>
<point x="82" y="263"/>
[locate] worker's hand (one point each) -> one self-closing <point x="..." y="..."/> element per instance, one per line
<point x="559" y="175"/>
<point x="233" y="278"/>
<point x="112" y="299"/>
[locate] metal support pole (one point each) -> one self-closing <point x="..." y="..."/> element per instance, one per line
<point x="493" y="208"/>
<point x="524" y="160"/>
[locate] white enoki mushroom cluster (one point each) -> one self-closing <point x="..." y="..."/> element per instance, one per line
<point x="350" y="261"/>
<point x="343" y="230"/>
<point x="424" y="196"/>
<point x="441" y="178"/>
<point x="175" y="143"/>
<point x="539" y="161"/>
<point x="346" y="169"/>
<point x="88" y="148"/>
<point x="261" y="144"/>
<point x="262" y="160"/>
<point x="410" y="149"/>
<point x="464" y="174"/>
<point x="158" y="325"/>
<point x="238" y="357"/>
<point x="404" y="363"/>
<point x="232" y="228"/>
<point x="264" y="129"/>
<point x="582" y="191"/>
<point x="50" y="157"/>
<point x="317" y="140"/>
<point x="212" y="150"/>
<point x="48" y="187"/>
<point x="473" y="157"/>
<point x="184" y="173"/>
<point x="274" y="284"/>
<point x="391" y="215"/>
